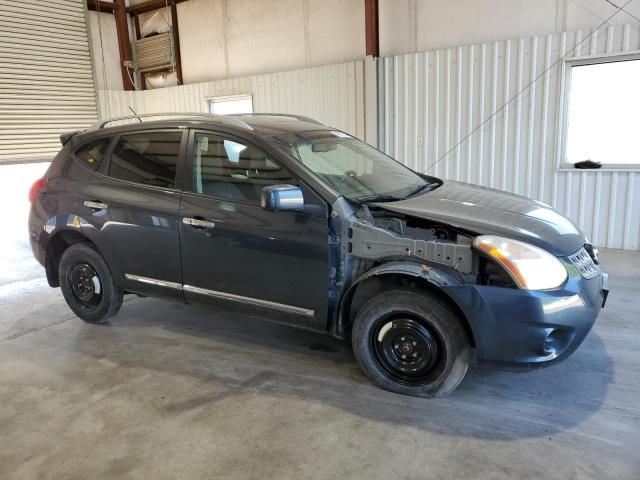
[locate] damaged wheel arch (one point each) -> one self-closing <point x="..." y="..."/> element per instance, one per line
<point x="416" y="275"/>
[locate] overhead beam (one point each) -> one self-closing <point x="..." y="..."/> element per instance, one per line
<point x="372" y="27"/>
<point x="100" y="6"/>
<point x="151" y="5"/>
<point x="124" y="43"/>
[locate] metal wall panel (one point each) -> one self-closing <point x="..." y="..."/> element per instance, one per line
<point x="333" y="94"/>
<point x="432" y="101"/>
<point x="46" y="78"/>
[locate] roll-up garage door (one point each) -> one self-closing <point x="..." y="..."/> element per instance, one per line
<point x="46" y="79"/>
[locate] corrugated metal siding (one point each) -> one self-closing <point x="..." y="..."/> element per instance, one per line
<point x="333" y="94"/>
<point x="46" y="79"/>
<point x="432" y="100"/>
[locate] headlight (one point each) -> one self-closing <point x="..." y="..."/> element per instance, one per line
<point x="531" y="267"/>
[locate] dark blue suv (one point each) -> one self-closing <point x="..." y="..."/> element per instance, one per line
<point x="286" y="218"/>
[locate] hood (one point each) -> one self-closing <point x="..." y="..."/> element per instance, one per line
<point x="487" y="211"/>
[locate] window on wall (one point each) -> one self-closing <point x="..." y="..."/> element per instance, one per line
<point x="602" y="114"/>
<point x="231" y="105"/>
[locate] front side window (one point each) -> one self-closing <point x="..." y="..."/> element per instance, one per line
<point x="228" y="169"/>
<point x="353" y="168"/>
<point x="91" y="153"/>
<point x="149" y="158"/>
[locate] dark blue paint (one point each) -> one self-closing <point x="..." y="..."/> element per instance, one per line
<point x="285" y="257"/>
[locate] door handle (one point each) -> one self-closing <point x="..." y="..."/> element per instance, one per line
<point x="197" y="222"/>
<point x="95" y="205"/>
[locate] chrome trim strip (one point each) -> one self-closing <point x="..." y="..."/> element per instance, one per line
<point x="196" y="222"/>
<point x="96" y="205"/>
<point x="248" y="300"/>
<point x="153" y="281"/>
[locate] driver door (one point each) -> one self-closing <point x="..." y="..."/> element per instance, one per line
<point x="240" y="256"/>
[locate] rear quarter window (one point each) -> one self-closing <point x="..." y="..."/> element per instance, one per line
<point x="91" y="154"/>
<point x="148" y="158"/>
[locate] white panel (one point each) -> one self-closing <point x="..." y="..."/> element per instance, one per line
<point x="437" y="111"/>
<point x="332" y="94"/>
<point x="46" y="77"/>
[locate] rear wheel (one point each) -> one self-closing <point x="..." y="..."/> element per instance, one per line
<point x="411" y="342"/>
<point x="87" y="284"/>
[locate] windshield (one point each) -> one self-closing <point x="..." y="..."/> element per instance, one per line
<point x="354" y="169"/>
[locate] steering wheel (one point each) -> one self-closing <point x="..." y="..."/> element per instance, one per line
<point x="348" y="173"/>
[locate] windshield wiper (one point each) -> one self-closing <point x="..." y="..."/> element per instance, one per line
<point x="419" y="189"/>
<point x="377" y="198"/>
<point x="390" y="198"/>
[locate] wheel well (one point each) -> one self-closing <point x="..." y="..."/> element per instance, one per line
<point x="374" y="285"/>
<point x="56" y="247"/>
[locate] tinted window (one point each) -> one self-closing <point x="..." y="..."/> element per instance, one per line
<point x="149" y="158"/>
<point x="91" y="154"/>
<point x="228" y="169"/>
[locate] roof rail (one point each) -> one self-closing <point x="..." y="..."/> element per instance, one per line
<point x="228" y="119"/>
<point x="299" y="117"/>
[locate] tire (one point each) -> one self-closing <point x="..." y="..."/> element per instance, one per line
<point x="87" y="284"/>
<point x="411" y="342"/>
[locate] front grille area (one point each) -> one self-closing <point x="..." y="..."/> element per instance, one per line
<point x="584" y="263"/>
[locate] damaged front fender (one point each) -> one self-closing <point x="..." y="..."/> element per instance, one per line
<point x="437" y="277"/>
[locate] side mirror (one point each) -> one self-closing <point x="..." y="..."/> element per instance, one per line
<point x="279" y="198"/>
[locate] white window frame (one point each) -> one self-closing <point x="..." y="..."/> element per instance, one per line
<point x="565" y="95"/>
<point x="225" y="98"/>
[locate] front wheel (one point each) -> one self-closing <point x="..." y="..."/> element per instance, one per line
<point x="411" y="342"/>
<point x="87" y="284"/>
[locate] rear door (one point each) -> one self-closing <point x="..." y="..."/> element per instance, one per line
<point x="240" y="256"/>
<point x="134" y="202"/>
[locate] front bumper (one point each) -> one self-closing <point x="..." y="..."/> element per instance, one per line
<point x="513" y="327"/>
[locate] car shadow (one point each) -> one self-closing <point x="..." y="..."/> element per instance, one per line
<point x="242" y="355"/>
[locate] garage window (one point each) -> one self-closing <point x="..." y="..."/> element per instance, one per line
<point x="602" y="113"/>
<point x="231" y="104"/>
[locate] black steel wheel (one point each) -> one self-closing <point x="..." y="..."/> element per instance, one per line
<point x="411" y="342"/>
<point x="407" y="350"/>
<point x="87" y="284"/>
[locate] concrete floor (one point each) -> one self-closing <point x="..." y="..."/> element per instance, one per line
<point x="172" y="391"/>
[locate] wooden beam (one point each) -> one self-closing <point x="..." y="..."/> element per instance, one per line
<point x="124" y="43"/>
<point x="100" y="6"/>
<point x="372" y="27"/>
<point x="151" y="5"/>
<point x="176" y="42"/>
